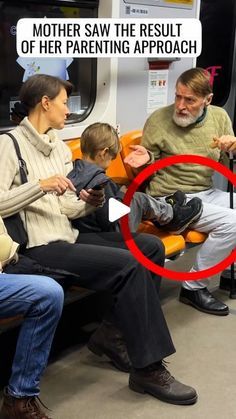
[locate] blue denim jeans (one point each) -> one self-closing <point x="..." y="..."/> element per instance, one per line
<point x="40" y="300"/>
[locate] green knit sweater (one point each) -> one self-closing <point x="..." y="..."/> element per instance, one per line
<point x="164" y="138"/>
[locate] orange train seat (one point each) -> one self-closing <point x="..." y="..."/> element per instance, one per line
<point x="194" y="237"/>
<point x="134" y="138"/>
<point x="127" y="140"/>
<point x="74" y="146"/>
<point x="173" y="244"/>
<point x="117" y="171"/>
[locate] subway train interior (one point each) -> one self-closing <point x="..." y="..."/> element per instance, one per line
<point x="123" y="92"/>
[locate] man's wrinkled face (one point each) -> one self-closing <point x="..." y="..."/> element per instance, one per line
<point x="188" y="106"/>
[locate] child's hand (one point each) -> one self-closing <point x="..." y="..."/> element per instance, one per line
<point x="96" y="198"/>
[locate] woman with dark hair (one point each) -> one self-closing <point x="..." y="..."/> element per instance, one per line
<point x="135" y="333"/>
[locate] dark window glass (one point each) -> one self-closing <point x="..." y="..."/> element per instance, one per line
<point x="218" y="32"/>
<point x="13" y="69"/>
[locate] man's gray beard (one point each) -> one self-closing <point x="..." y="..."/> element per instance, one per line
<point x="186" y="121"/>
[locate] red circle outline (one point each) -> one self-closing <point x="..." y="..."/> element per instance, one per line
<point x="139" y="179"/>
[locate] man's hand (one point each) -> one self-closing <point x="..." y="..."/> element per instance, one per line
<point x="92" y="197"/>
<point x="225" y="143"/>
<point x="57" y="184"/>
<point x="137" y="158"/>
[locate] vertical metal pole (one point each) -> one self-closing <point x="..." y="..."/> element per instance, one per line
<point x="231" y="203"/>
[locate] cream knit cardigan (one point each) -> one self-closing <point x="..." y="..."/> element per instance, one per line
<point x="46" y="216"/>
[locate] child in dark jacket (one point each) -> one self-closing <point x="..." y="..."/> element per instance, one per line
<point x="100" y="144"/>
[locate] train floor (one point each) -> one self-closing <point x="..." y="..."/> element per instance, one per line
<point x="79" y="385"/>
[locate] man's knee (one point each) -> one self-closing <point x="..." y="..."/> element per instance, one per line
<point x="48" y="291"/>
<point x="229" y="223"/>
<point x="139" y="197"/>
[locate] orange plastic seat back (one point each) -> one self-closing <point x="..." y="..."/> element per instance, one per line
<point x="74" y="145"/>
<point x="128" y="139"/>
<point x="193" y="236"/>
<point x="117" y="171"/>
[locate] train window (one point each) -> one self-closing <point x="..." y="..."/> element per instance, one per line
<point x="218" y="35"/>
<point x="13" y="70"/>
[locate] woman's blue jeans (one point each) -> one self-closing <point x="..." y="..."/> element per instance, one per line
<point x="40" y="300"/>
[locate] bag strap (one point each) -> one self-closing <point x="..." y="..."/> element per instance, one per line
<point x="22" y="163"/>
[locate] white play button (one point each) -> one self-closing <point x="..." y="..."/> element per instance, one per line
<point x="116" y="209"/>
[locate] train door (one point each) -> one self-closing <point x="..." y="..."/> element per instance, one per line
<point x="219" y="56"/>
<point x="218" y="50"/>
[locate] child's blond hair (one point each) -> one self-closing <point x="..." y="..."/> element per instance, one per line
<point x="99" y="136"/>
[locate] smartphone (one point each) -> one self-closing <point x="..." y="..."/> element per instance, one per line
<point x="99" y="187"/>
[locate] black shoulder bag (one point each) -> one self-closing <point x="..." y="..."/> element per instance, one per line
<point x="14" y="223"/>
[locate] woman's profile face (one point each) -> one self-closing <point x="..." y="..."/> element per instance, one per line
<point x="58" y="110"/>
